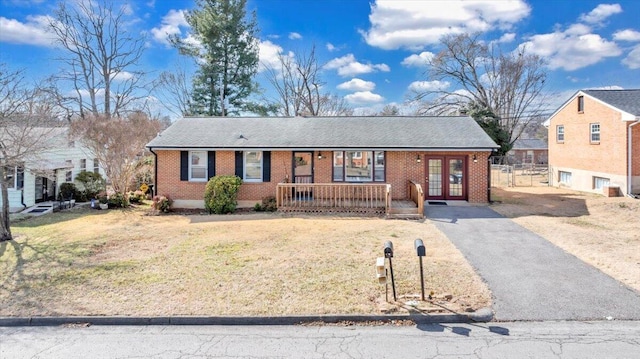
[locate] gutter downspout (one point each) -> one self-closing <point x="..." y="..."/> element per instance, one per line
<point x="155" y="173"/>
<point x="630" y="158"/>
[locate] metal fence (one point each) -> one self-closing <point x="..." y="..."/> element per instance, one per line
<point x="525" y="175"/>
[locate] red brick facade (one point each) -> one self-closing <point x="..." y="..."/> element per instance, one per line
<point x="401" y="166"/>
<point x="586" y="159"/>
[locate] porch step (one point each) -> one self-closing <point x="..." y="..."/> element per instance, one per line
<point x="404" y="216"/>
<point x="403" y="210"/>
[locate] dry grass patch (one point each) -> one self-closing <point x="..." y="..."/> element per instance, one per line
<point x="604" y="232"/>
<point x="124" y="262"/>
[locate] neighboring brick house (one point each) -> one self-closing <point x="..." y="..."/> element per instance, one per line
<point x="529" y="151"/>
<point x="446" y="155"/>
<point x="594" y="142"/>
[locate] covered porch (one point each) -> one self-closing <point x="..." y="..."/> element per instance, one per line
<point x="356" y="198"/>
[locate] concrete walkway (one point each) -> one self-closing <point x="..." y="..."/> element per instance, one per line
<point x="530" y="278"/>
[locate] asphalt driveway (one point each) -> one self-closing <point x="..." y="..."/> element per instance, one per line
<point x="531" y="278"/>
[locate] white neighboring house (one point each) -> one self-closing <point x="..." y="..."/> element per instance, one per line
<point x="40" y="179"/>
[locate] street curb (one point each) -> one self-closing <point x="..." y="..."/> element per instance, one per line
<point x="282" y="320"/>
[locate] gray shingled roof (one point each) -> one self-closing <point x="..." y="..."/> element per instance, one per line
<point x="529" y="144"/>
<point x="625" y="100"/>
<point x="324" y="133"/>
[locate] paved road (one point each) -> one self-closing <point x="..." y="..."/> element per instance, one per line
<point x="530" y="278"/>
<point x="562" y="340"/>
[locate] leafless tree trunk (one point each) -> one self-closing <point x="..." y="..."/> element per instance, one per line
<point x="26" y="123"/>
<point x="101" y="56"/>
<point x="508" y="85"/>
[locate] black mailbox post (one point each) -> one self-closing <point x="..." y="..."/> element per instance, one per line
<point x="421" y="253"/>
<point x="388" y="249"/>
<point x="420" y="247"/>
<point x="388" y="253"/>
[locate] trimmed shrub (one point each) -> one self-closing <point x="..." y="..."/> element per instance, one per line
<point x="91" y="183"/>
<point x="221" y="194"/>
<point x="269" y="204"/>
<point x="68" y="190"/>
<point x="136" y="196"/>
<point x="162" y="203"/>
<point x="118" y="200"/>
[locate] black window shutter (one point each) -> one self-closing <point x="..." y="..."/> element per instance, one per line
<point x="211" y="164"/>
<point x="184" y="165"/>
<point x="266" y="166"/>
<point x="239" y="164"/>
<point x="20" y="178"/>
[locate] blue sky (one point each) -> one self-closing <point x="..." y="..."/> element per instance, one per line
<point x="374" y="51"/>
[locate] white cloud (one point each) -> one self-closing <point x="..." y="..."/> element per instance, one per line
<point x="127" y="9"/>
<point x="421" y="86"/>
<point x="269" y="55"/>
<point x="363" y="97"/>
<point x="506" y="38"/>
<point x="357" y="85"/>
<point x="600" y="13"/>
<point x="627" y="35"/>
<point x="122" y="76"/>
<point x="414" y="24"/>
<point x="348" y="66"/>
<point x="35" y="31"/>
<point x="421" y="60"/>
<point x="633" y="59"/>
<point x="571" y="49"/>
<point x="331" y="47"/>
<point x="171" y="24"/>
<point x="294" y="36"/>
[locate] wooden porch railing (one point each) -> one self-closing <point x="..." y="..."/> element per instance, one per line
<point x="416" y="194"/>
<point x="334" y="197"/>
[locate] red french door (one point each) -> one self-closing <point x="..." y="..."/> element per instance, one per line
<point x="445" y="178"/>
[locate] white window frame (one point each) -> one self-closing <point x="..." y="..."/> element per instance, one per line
<point x="83" y="164"/>
<point x="96" y="166"/>
<point x="202" y="158"/>
<point x="564" y="177"/>
<point x="246" y="165"/>
<point x="594" y="130"/>
<point x="600" y="182"/>
<point x="560" y="133"/>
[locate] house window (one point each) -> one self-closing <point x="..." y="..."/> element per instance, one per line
<point x="600" y="183"/>
<point x="560" y="133"/>
<point x="595" y="132"/>
<point x="581" y="104"/>
<point x="565" y="177"/>
<point x="252" y="166"/>
<point x="197" y="166"/>
<point x="96" y="166"/>
<point x="68" y="176"/>
<point x="83" y="164"/>
<point x="358" y="166"/>
<point x="10" y="172"/>
<point x="528" y="158"/>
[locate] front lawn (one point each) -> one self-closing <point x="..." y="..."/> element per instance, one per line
<point x="127" y="262"/>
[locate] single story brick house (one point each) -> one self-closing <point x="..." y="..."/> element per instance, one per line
<point x="324" y="157"/>
<point x="529" y="151"/>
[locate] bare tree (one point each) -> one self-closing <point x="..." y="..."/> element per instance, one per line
<point x="118" y="143"/>
<point x="175" y="91"/>
<point x="298" y="84"/>
<point x="508" y="85"/>
<point x="27" y="119"/>
<point x="101" y="56"/>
